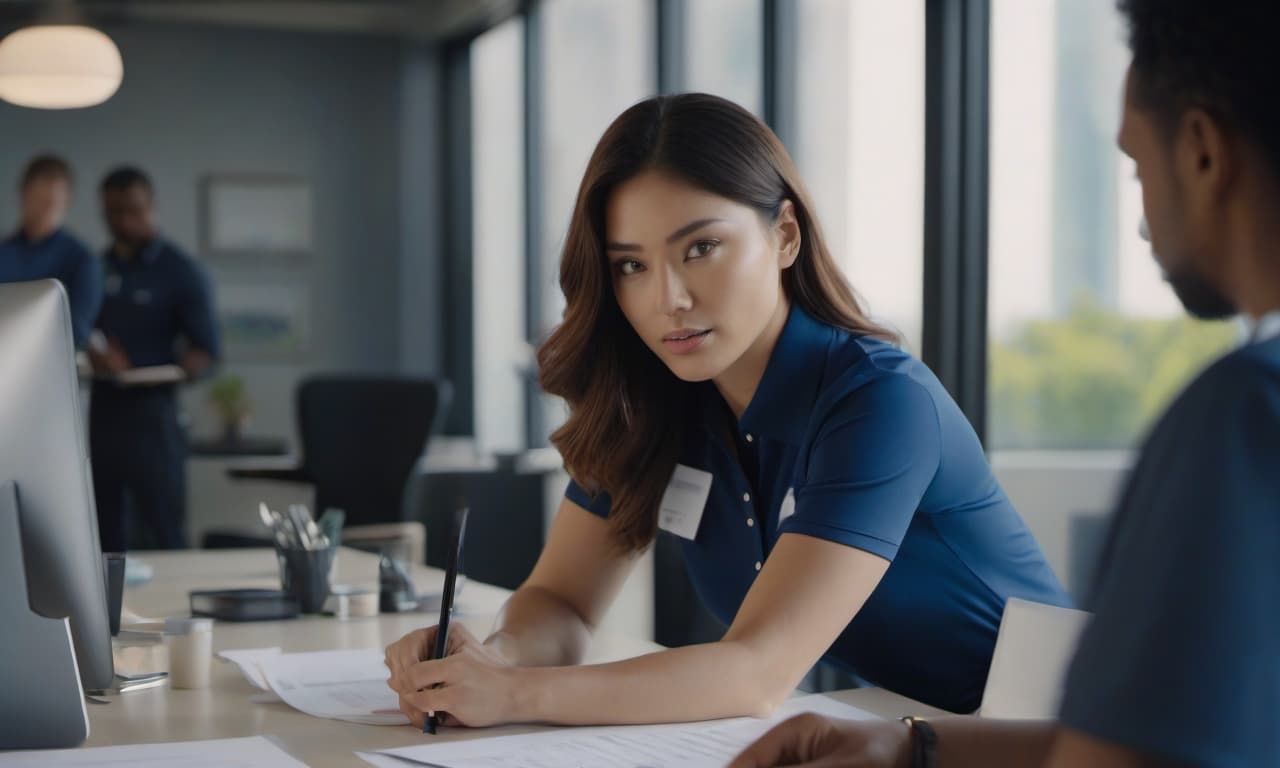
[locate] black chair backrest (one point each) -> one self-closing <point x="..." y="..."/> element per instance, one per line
<point x="362" y="436"/>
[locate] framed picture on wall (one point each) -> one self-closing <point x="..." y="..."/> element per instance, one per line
<point x="264" y="321"/>
<point x="255" y="215"/>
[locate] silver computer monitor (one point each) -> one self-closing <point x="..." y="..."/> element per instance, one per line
<point x="42" y="451"/>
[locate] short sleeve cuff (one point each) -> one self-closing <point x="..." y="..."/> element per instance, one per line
<point x="598" y="506"/>
<point x="876" y="546"/>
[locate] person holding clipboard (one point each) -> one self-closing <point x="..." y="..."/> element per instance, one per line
<point x="157" y="329"/>
<point x="725" y="387"/>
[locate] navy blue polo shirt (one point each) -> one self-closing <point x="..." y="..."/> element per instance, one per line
<point x="155" y="299"/>
<point x="1182" y="658"/>
<point x="852" y="440"/>
<point x="62" y="257"/>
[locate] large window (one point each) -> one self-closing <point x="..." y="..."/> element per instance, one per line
<point x="724" y="50"/>
<point x="598" y="58"/>
<point x="1087" y="343"/>
<point x="859" y="143"/>
<point x="498" y="205"/>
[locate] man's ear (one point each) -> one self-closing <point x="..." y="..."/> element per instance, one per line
<point x="1205" y="158"/>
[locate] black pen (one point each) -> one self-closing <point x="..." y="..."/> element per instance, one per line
<point x="446" y="601"/>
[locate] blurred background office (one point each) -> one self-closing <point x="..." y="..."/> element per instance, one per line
<point x="379" y="189"/>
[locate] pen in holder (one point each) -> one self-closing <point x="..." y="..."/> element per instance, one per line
<point x="304" y="575"/>
<point x="305" y="554"/>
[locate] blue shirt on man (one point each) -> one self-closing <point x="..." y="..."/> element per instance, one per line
<point x="154" y="299"/>
<point x="62" y="257"/>
<point x="1182" y="658"/>
<point x="850" y="439"/>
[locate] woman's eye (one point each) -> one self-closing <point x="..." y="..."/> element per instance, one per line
<point x="629" y="267"/>
<point x="702" y="248"/>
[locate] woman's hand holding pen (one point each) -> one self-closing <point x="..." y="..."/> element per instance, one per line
<point x="477" y="682"/>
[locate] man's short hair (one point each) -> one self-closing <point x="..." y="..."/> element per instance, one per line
<point x="47" y="166"/>
<point x="126" y="176"/>
<point x="1219" y="56"/>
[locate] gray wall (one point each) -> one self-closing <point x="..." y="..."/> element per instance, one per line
<point x="338" y="111"/>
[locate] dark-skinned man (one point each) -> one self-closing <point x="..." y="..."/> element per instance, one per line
<point x="158" y="310"/>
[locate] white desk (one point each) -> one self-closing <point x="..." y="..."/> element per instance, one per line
<point x="223" y="710"/>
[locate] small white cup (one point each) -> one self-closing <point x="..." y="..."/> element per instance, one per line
<point x="190" y="643"/>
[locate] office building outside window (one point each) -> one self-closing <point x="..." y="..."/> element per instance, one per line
<point x="859" y="144"/>
<point x="1087" y="343"/>
<point x="598" y="58"/>
<point x="724" y="50"/>
<point x="498" y="205"/>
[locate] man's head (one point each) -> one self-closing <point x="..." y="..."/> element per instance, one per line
<point x="1202" y="122"/>
<point x="127" y="206"/>
<point x="45" y="192"/>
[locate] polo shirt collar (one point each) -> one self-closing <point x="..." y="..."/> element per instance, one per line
<point x="151" y="251"/>
<point x="19" y="237"/>
<point x="147" y="255"/>
<point x="1266" y="327"/>
<point x="783" y="401"/>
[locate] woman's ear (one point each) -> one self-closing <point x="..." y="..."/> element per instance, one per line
<point x="786" y="233"/>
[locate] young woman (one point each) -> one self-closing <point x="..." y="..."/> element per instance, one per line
<point x="725" y="386"/>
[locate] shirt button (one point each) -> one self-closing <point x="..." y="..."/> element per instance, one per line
<point x="746" y="497"/>
<point x="749" y="437"/>
<point x="751" y="522"/>
<point x="757" y="565"/>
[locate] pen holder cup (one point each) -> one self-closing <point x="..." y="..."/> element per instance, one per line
<point x="305" y="575"/>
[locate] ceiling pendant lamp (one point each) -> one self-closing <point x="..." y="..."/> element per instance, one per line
<point x="59" y="66"/>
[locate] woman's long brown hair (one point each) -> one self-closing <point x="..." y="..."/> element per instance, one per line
<point x="627" y="411"/>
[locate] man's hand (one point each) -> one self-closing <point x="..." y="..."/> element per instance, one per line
<point x="195" y="362"/>
<point x="111" y="361"/>
<point x="819" y="742"/>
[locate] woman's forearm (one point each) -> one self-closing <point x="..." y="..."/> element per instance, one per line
<point x="537" y="629"/>
<point x="697" y="682"/>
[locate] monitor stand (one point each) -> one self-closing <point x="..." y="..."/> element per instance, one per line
<point x="42" y="704"/>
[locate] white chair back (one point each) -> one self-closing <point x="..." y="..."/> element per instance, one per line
<point x="1033" y="650"/>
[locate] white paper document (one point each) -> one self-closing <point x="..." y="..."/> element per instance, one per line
<point x="249" y="660"/>
<point x="151" y="375"/>
<point x="253" y="752"/>
<point x="338" y="685"/>
<point x="687" y="745"/>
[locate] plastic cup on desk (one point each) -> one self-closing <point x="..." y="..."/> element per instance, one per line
<point x="304" y="575"/>
<point x="190" y="644"/>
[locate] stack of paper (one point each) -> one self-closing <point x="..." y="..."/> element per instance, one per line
<point x="253" y="752"/>
<point x="337" y="685"/>
<point x="249" y="660"/>
<point x="688" y="745"/>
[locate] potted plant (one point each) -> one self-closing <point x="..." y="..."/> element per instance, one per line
<point x="230" y="398"/>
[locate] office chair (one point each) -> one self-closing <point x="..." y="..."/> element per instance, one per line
<point x="361" y="437"/>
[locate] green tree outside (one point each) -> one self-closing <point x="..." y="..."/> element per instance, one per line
<point x="1095" y="379"/>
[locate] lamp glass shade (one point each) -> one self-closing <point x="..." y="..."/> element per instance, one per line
<point x="59" y="66"/>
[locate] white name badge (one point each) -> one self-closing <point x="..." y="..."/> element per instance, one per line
<point x="684" y="501"/>
<point x="788" y="507"/>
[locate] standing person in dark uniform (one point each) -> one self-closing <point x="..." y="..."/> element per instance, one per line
<point x="42" y="247"/>
<point x="157" y="310"/>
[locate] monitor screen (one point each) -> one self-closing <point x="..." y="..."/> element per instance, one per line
<point x="43" y="452"/>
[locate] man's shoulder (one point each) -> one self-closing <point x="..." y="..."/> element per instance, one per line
<point x="179" y="262"/>
<point x="1235" y="380"/>
<point x="75" y="248"/>
<point x="173" y="254"/>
